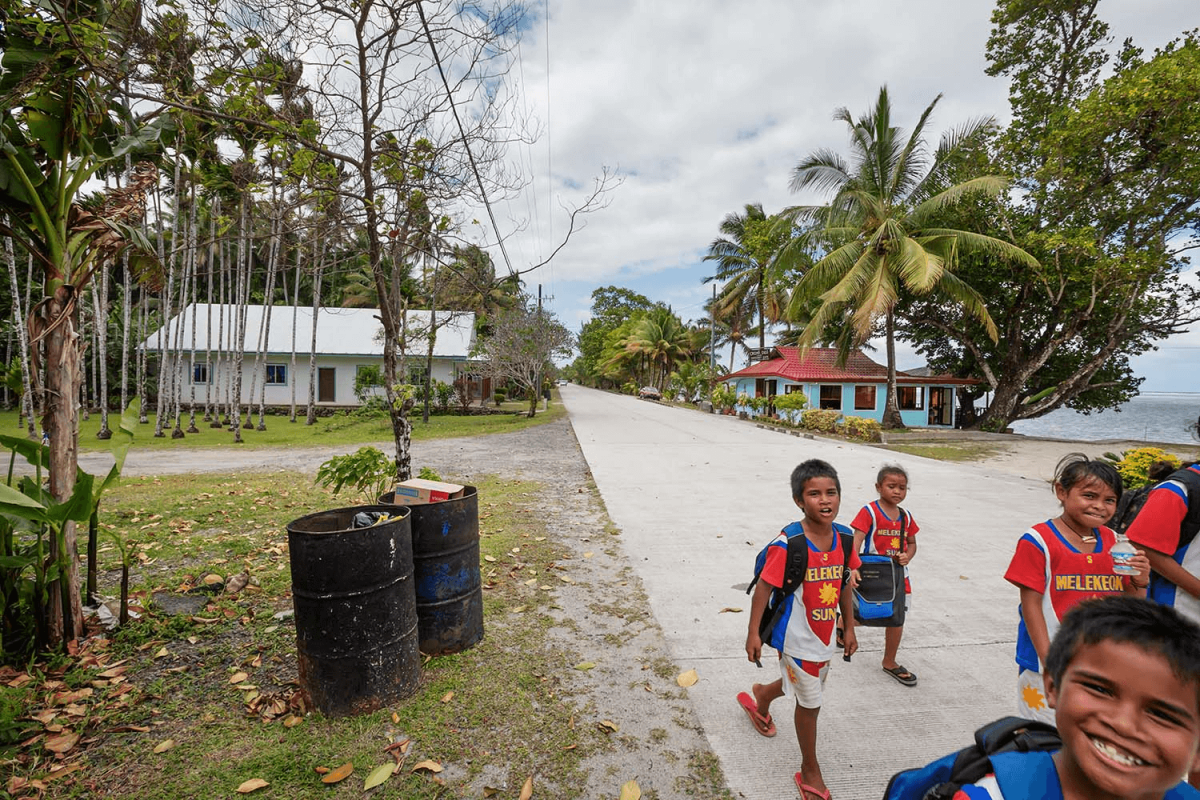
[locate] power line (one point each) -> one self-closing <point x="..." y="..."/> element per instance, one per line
<point x="462" y="132"/>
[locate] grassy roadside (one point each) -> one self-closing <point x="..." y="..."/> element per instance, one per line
<point x="490" y="717"/>
<point x="958" y="451"/>
<point x="339" y="429"/>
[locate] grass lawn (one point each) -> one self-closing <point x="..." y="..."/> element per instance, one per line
<point x="341" y="428"/>
<point x="181" y="706"/>
<point x="957" y="451"/>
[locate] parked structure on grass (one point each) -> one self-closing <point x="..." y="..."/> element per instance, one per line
<point x="856" y="388"/>
<point x="347" y="340"/>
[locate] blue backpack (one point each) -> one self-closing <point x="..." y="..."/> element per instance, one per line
<point x="793" y="572"/>
<point x="994" y="744"/>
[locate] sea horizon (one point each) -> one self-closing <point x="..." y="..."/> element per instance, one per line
<point x="1149" y="417"/>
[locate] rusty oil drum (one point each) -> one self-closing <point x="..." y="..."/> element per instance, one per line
<point x="356" y="616"/>
<point x="445" y="542"/>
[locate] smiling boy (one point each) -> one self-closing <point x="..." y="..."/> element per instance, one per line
<point x="804" y="634"/>
<point x="1123" y="677"/>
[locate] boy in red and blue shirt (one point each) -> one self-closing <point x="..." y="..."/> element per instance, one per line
<point x="804" y="634"/>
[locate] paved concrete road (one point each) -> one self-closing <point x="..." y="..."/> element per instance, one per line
<point x="697" y="495"/>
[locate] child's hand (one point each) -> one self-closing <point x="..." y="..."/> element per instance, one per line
<point x="850" y="638"/>
<point x="753" y="647"/>
<point x="1142" y="565"/>
<point x="854" y="579"/>
<point x="904" y="558"/>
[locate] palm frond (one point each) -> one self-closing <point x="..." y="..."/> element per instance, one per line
<point x="918" y="267"/>
<point x="970" y="301"/>
<point x="824" y="170"/>
<point x="971" y="243"/>
<point x="909" y="162"/>
<point x="987" y="185"/>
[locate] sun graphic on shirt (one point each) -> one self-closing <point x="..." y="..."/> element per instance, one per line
<point x="895" y="542"/>
<point x="829" y="594"/>
<point x="1033" y="698"/>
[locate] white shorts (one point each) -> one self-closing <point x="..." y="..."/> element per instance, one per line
<point x="1031" y="697"/>
<point x="804" y="680"/>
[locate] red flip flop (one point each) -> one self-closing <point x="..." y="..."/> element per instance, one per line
<point x="806" y="790"/>
<point x="765" y="726"/>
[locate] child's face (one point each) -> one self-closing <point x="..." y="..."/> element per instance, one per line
<point x="893" y="488"/>
<point x="1130" y="726"/>
<point x="1088" y="504"/>
<point x="820" y="500"/>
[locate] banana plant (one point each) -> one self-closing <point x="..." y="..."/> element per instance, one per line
<point x="63" y="123"/>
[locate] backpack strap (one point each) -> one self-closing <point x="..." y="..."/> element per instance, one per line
<point x="1190" y="527"/>
<point x="797" y="558"/>
<point x="847" y="542"/>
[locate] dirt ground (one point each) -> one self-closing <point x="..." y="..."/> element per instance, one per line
<point x="602" y="616"/>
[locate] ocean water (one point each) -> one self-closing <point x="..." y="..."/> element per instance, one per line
<point x="1150" y="417"/>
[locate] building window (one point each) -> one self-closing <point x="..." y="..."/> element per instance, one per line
<point x="276" y="374"/>
<point x="793" y="387"/>
<point x="199" y="373"/>
<point x="910" y="398"/>
<point x="864" y="398"/>
<point x="831" y="397"/>
<point x="416" y="376"/>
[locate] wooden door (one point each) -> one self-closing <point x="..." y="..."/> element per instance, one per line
<point x="326" y="384"/>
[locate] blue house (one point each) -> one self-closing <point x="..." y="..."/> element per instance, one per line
<point x="857" y="388"/>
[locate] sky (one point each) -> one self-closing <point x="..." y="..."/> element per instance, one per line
<point x="704" y="106"/>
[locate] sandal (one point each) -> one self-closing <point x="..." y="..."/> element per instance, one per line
<point x="806" y="790"/>
<point x="763" y="724"/>
<point x="902" y="674"/>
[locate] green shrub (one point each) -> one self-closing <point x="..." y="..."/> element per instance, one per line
<point x="758" y="404"/>
<point x="499" y="395"/>
<point x="427" y="474"/>
<point x="723" y="396"/>
<point x="366" y="470"/>
<point x="629" y="388"/>
<point x="1134" y="465"/>
<point x="790" y="405"/>
<point x="862" y="428"/>
<point x="824" y="420"/>
<point x="444" y="392"/>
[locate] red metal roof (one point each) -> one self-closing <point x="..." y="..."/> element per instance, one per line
<point x="819" y="364"/>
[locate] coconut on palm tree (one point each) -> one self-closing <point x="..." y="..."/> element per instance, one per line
<point x="881" y="233"/>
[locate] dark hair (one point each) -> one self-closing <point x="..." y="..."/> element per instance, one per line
<point x="1130" y="620"/>
<point x="1076" y="468"/>
<point x="890" y="469"/>
<point x="813" y="468"/>
<point x="1159" y="470"/>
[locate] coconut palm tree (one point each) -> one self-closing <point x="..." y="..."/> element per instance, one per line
<point x="880" y="233"/>
<point x="745" y="257"/>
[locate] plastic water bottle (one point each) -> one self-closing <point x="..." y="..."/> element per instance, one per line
<point x="1122" y="554"/>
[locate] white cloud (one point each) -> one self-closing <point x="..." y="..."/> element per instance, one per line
<point x="706" y="106"/>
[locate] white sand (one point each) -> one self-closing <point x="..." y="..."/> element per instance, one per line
<point x="1037" y="458"/>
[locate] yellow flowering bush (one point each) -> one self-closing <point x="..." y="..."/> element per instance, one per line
<point x="1134" y="465"/>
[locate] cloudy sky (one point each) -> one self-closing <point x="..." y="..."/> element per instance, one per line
<point x="704" y="106"/>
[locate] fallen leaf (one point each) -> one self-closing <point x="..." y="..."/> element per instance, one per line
<point x="339" y="774"/>
<point x="61" y="743"/>
<point x="291" y="721"/>
<point x="586" y="665"/>
<point x="570" y="747"/>
<point x="531" y="582"/>
<point x="631" y="791"/>
<point x="608" y="726"/>
<point x="731" y="610"/>
<point x="588" y="554"/>
<point x="238" y="677"/>
<point x="490" y="791"/>
<point x="432" y="766"/>
<point x="688" y="678"/>
<point x="489" y="559"/>
<point x="527" y="789"/>
<point x="379" y="775"/>
<point x="252" y="785"/>
<point x="448" y="697"/>
<point x="162" y="653"/>
<point x="113" y="672"/>
<point x="164" y="745"/>
<point x="395" y="717"/>
<point x="321" y="770"/>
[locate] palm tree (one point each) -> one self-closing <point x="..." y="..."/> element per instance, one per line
<point x="880" y="232"/>
<point x="746" y="264"/>
<point x="662" y="339"/>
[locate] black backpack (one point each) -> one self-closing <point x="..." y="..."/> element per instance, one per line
<point x="793" y="572"/>
<point x="941" y="779"/>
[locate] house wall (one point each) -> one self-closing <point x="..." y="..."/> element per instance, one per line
<point x="912" y="418"/>
<point x="345" y="369"/>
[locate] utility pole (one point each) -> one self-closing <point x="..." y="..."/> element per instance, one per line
<point x="538" y="332"/>
<point x="712" y="332"/>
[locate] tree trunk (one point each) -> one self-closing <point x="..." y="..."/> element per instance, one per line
<point x="63" y="379"/>
<point x="891" y="409"/>
<point x="100" y="304"/>
<point x="23" y="342"/>
<point x="312" y="350"/>
<point x="295" y="319"/>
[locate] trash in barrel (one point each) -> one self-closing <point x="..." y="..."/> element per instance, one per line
<point x="445" y="543"/>
<point x="355" y="601"/>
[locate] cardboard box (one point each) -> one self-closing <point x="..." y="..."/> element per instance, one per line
<point x="418" y="490"/>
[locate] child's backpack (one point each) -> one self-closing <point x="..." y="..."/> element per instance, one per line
<point x="1128" y="507"/>
<point x="793" y="572"/>
<point x="879" y="598"/>
<point x="941" y="779"/>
